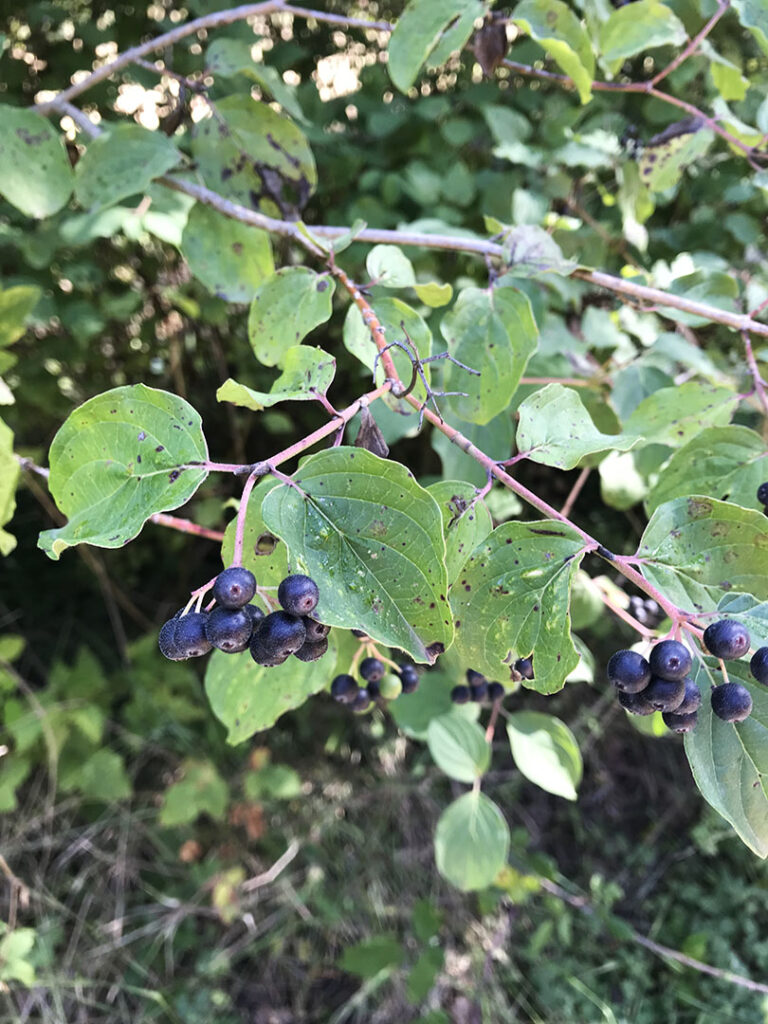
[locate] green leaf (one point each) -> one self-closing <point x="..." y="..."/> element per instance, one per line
<point x="35" y="173"/>
<point x="638" y="27"/>
<point x="661" y="166"/>
<point x="495" y="334"/>
<point x="546" y="752"/>
<point x="10" y="470"/>
<point x="424" y="973"/>
<point x="419" y="30"/>
<point x="414" y="711"/>
<point x="15" y="306"/>
<point x="753" y="14"/>
<point x="369" y="957"/>
<point x="122" y="162"/>
<point x="390" y="267"/>
<point x="464" y="524"/>
<point x="529" y="251"/>
<point x="275" y="781"/>
<point x="372" y="539"/>
<point x="458" y="747"/>
<point x="434" y="294"/>
<point x="307" y="372"/>
<point x="13" y="771"/>
<point x="494" y="438"/>
<point x="102" y="777"/>
<point x="555" y="429"/>
<point x="248" y="698"/>
<point x="555" y="27"/>
<point x="15" y="948"/>
<point x="674" y="415"/>
<point x="201" y="790"/>
<point x="394" y="316"/>
<point x="263" y="553"/>
<point x="730" y="762"/>
<point x="116" y="460"/>
<point x="226" y="58"/>
<point x="256" y="157"/>
<point x="232" y="259"/>
<point x="285" y="308"/>
<point x="695" y="550"/>
<point x="471" y="842"/>
<point x="511" y="599"/>
<point x="711" y="287"/>
<point x="722" y="462"/>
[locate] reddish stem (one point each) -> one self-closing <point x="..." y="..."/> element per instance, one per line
<point x="242" y="512"/>
<point x="693" y="44"/>
<point x="185" y="526"/>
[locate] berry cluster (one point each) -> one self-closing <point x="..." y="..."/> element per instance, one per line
<point x="662" y="683"/>
<point x="234" y="624"/>
<point x="477" y="689"/>
<point x="376" y="683"/>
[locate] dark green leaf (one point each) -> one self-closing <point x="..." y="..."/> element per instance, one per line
<point x="424" y="973"/>
<point x="35" y="173"/>
<point x="201" y="790"/>
<point x="471" y="842"/>
<point x="369" y="957"/>
<point x="122" y="162"/>
<point x="232" y="259"/>
<point x="285" y="308"/>
<point x="753" y="14"/>
<point x="529" y="251"/>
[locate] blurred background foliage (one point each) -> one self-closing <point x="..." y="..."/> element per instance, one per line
<point x="142" y="843"/>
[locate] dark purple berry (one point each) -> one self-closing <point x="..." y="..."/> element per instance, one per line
<point x="525" y="667"/>
<point x="263" y="658"/>
<point x="629" y="671"/>
<point x="731" y="701"/>
<point x="229" y="629"/>
<point x="691" y="700"/>
<point x="478" y="692"/>
<point x="189" y="635"/>
<point x="298" y="594"/>
<point x="373" y="686"/>
<point x="359" y="633"/>
<point x="460" y="694"/>
<point x="255" y="612"/>
<point x="344" y="689"/>
<point x="496" y="691"/>
<point x="372" y="670"/>
<point x="311" y="651"/>
<point x="670" y="660"/>
<point x="474" y="678"/>
<point x="166" y="642"/>
<point x="664" y="694"/>
<point x="680" y="723"/>
<point x="726" y="639"/>
<point x="635" y="703"/>
<point x="234" y="587"/>
<point x="278" y="635"/>
<point x="409" y="677"/>
<point x="762" y="493"/>
<point x="316" y="631"/>
<point x="362" y="700"/>
<point x="758" y="666"/>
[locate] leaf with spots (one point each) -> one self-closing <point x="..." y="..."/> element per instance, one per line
<point x="555" y="429"/>
<point x="116" y="460"/>
<point x="372" y="538"/>
<point x="231" y="258"/>
<point x="511" y="600"/>
<point x="696" y="549"/>
<point x="285" y="308"/>
<point x="248" y="698"/>
<point x="122" y="162"/>
<point x="560" y="32"/>
<point x="35" y="173"/>
<point x="464" y="524"/>
<point x="307" y="372"/>
<point x="493" y="332"/>
<point x="395" y="316"/>
<point x="255" y="156"/>
<point x="674" y="415"/>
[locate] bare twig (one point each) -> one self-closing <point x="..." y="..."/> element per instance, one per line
<point x="185" y="526"/>
<point x="693" y="44"/>
<point x="754" y="369"/>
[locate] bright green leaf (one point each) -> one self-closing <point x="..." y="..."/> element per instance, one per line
<point x="674" y="415"/>
<point x="122" y="162"/>
<point x="116" y="460"/>
<point x="555" y="27"/>
<point x="285" y="308"/>
<point x="464" y="524"/>
<point x="372" y="539"/>
<point x="35" y="172"/>
<point x="434" y="294"/>
<point x="546" y="752"/>
<point x="471" y="842"/>
<point x="637" y="28"/>
<point x="511" y="598"/>
<point x="390" y="267"/>
<point x="201" y="790"/>
<point x="458" y="747"/>
<point x="232" y="259"/>
<point x="10" y="470"/>
<point x="307" y="372"/>
<point x="15" y="306"/>
<point x="419" y="30"/>
<point x="226" y="58"/>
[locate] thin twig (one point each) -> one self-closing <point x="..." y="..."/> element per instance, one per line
<point x="185" y="526"/>
<point x="575" y="491"/>
<point x="693" y="44"/>
<point x="269" y="876"/>
<point x="754" y="369"/>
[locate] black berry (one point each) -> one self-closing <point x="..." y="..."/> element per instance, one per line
<point x="189" y="635"/>
<point x="495" y="691"/>
<point x="373" y="686"/>
<point x="316" y="631"/>
<point x="691" y="700"/>
<point x="311" y="651"/>
<point x="409" y="677"/>
<point x="664" y="694"/>
<point x="460" y="694"/>
<point x="474" y="678"/>
<point x="234" y="587"/>
<point x="758" y="666"/>
<point x="525" y="667"/>
<point x="255" y="612"/>
<point x="359" y="633"/>
<point x="762" y="493"/>
<point x="372" y="670"/>
<point x="229" y="629"/>
<point x="344" y="689"/>
<point x="478" y="691"/>
<point x="278" y="635"/>
<point x="635" y="703"/>
<point x="166" y="642"/>
<point x="680" y="723"/>
<point x="731" y="702"/>
<point x="629" y="671"/>
<point x="298" y="594"/>
<point x="362" y="700"/>
<point x="670" y="660"/>
<point x="726" y="639"/>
